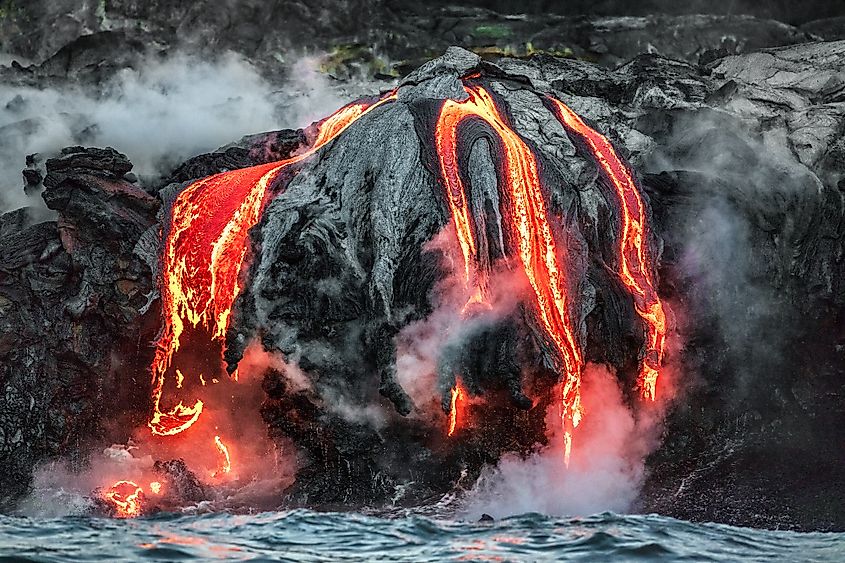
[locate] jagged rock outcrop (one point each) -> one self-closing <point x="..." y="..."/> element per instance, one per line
<point x="72" y="293"/>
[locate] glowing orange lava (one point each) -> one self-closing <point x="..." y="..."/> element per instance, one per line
<point x="634" y="260"/>
<point x="125" y="497"/>
<point x="226" y="461"/>
<point x="205" y="249"/>
<point x="529" y="223"/>
<point x="458" y="397"/>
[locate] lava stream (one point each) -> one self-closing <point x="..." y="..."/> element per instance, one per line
<point x="635" y="265"/>
<point x="204" y="252"/>
<point x="530" y="226"/>
<point x="226" y="461"/>
<point x="456" y="405"/>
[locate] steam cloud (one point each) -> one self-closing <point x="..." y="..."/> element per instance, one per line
<point x="159" y="114"/>
<point x="744" y="180"/>
<point x="260" y="471"/>
<point x="605" y="472"/>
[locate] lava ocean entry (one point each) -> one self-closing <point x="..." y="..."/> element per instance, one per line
<point x="236" y="244"/>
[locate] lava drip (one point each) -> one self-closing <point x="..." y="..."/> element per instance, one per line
<point x="205" y="250"/>
<point x="635" y="266"/>
<point x="225" y="459"/>
<point x="456" y="406"/>
<point x="530" y="227"/>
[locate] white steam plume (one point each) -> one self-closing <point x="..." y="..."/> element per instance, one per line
<point x="161" y="113"/>
<point x="605" y="472"/>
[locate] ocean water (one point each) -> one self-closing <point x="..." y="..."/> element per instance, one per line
<point x="302" y="535"/>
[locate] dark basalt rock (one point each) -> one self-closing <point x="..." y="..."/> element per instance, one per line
<point x="249" y="151"/>
<point x="72" y="295"/>
<point x="742" y="161"/>
<point x="180" y="484"/>
<point x="829" y="29"/>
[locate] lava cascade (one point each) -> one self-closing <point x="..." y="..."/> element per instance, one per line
<point x="530" y="226"/>
<point x="204" y="251"/>
<point x="634" y="261"/>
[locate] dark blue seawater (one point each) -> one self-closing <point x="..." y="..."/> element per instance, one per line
<point x="302" y="535"/>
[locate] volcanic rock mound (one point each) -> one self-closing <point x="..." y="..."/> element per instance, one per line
<point x="434" y="208"/>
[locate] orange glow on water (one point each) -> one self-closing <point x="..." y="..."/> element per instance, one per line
<point x="635" y="268"/>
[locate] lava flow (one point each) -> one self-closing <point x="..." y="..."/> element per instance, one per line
<point x="530" y="227"/>
<point x="125" y="497"/>
<point x="204" y="252"/>
<point x="455" y="406"/>
<point x="205" y="249"/>
<point x="634" y="262"/>
<point x="226" y="461"/>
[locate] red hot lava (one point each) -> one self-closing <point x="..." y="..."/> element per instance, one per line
<point x="207" y="244"/>
<point x="204" y="251"/>
<point x="530" y="227"/>
<point x="542" y="261"/>
<point x="126" y="497"/>
<point x="456" y="406"/>
<point x="634" y="261"/>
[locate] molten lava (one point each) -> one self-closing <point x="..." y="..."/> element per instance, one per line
<point x="125" y="497"/>
<point x="205" y="250"/>
<point x="529" y="225"/>
<point x="634" y="260"/>
<point x="226" y="461"/>
<point x="456" y="406"/>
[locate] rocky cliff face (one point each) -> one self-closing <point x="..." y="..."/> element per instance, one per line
<point x="92" y="40"/>
<point x="741" y="158"/>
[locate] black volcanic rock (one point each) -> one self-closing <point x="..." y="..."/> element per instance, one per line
<point x="249" y="151"/>
<point x="90" y="41"/>
<point x="829" y="29"/>
<point x="72" y="296"/>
